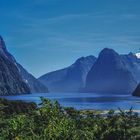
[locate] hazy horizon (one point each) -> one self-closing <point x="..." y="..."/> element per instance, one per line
<point x="48" y="35"/>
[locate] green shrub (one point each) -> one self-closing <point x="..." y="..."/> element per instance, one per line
<point x="50" y="121"/>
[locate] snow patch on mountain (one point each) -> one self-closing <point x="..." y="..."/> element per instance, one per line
<point x="137" y="55"/>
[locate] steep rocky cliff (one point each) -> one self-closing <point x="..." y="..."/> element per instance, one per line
<point x="11" y="82"/>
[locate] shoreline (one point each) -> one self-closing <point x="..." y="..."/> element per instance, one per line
<point x="104" y="112"/>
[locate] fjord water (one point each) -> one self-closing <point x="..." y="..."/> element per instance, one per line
<point x="84" y="100"/>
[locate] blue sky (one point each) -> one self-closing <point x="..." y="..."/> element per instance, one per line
<point x="45" y="35"/>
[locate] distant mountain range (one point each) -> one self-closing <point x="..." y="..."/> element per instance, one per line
<point x="110" y="72"/>
<point x="14" y="79"/>
<point x="70" y="79"/>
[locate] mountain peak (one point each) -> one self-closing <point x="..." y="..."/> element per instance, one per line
<point x="108" y="53"/>
<point x="3" y="50"/>
<point x="83" y="59"/>
<point x="133" y="56"/>
<point x="130" y="53"/>
<point x="1" y="38"/>
<point x="2" y="44"/>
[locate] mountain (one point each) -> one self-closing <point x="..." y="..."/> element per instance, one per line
<point x="70" y="79"/>
<point x="110" y="74"/>
<point x="34" y="84"/>
<point x="136" y="92"/>
<point x="132" y="63"/>
<point x="11" y="82"/>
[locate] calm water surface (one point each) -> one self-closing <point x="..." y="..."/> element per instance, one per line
<point x="85" y="100"/>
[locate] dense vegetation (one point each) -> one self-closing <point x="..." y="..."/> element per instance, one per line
<point x="50" y="121"/>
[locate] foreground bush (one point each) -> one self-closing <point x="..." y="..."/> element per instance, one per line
<point x="50" y="121"/>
